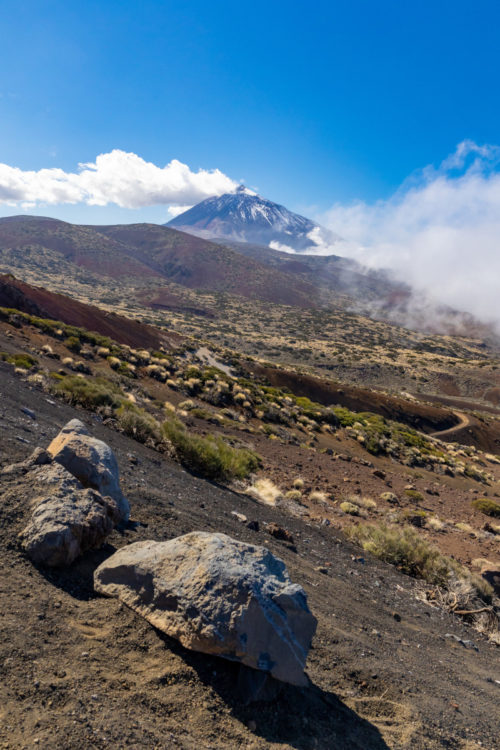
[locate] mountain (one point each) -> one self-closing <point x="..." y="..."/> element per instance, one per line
<point x="144" y="253"/>
<point x="246" y="217"/>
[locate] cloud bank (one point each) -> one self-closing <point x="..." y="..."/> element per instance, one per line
<point x="440" y="232"/>
<point x="116" y="177"/>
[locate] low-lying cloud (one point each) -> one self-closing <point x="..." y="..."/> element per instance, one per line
<point x="118" y="177"/>
<point x="440" y="232"/>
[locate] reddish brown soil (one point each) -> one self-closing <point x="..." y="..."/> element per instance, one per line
<point x="45" y="304"/>
<point x="165" y="299"/>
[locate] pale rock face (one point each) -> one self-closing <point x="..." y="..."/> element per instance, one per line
<point x="91" y="461"/>
<point x="218" y="596"/>
<point x="67" y="519"/>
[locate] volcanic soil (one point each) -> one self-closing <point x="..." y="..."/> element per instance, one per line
<point x="387" y="670"/>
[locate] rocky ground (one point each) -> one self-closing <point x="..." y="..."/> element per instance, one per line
<point x="81" y="671"/>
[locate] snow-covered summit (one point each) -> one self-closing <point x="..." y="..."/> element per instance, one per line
<point x="245" y="216"/>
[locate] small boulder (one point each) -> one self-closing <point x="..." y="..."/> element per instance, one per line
<point x="218" y="596"/>
<point x="67" y="519"/>
<point x="278" y="532"/>
<point x="91" y="461"/>
<point x="39" y="457"/>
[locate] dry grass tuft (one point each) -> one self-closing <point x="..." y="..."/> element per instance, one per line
<point x="265" y="491"/>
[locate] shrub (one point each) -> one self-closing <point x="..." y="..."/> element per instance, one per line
<point x="413" y="555"/>
<point x="366" y="502"/>
<point x="487" y="506"/>
<point x="414" y="495"/>
<point x="295" y="495"/>
<point x="298" y="483"/>
<point x="350" y="508"/>
<point x="435" y="523"/>
<point x="21" y="360"/>
<point x="91" y="394"/>
<point x="210" y="456"/>
<point x="137" y="423"/>
<point x="318" y="497"/>
<point x="390" y="497"/>
<point x="187" y="405"/>
<point x="462" y="526"/>
<point x="114" y="362"/>
<point x="73" y="343"/>
<point x="265" y="491"/>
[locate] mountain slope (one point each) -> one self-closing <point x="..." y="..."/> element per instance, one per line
<point x="147" y="252"/>
<point x="44" y="304"/>
<point x="246" y="217"/>
<point x="331" y="272"/>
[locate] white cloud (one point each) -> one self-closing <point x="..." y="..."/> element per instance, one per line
<point x="116" y="177"/>
<point x="275" y="245"/>
<point x="439" y="232"/>
<point x="174" y="211"/>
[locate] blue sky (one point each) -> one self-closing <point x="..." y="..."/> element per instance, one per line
<point x="310" y="103"/>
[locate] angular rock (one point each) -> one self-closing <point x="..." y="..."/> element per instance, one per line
<point x="67" y="519"/>
<point x="91" y="461"/>
<point x="218" y="596"/>
<point x="39" y="457"/>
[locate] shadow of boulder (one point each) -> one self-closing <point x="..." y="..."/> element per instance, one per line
<point x="306" y="718"/>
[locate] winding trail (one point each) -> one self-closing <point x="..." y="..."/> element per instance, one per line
<point x="464" y="422"/>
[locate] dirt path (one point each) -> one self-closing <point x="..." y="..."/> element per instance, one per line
<point x="464" y="422"/>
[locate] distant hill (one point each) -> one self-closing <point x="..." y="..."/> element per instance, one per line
<point x="244" y="216"/>
<point x="151" y="252"/>
<point x="44" y="304"/>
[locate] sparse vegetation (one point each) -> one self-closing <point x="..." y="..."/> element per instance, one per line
<point x="91" y="394"/>
<point x="414" y="495"/>
<point x="73" y="343"/>
<point x="265" y="491"/>
<point x="212" y="457"/>
<point x="407" y="550"/>
<point x="22" y="360"/>
<point x="351" y="508"/>
<point x="487" y="506"/>
<point x="295" y="495"/>
<point x="138" y="423"/>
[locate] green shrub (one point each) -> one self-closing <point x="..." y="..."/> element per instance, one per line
<point x="90" y="394"/>
<point x="346" y="417"/>
<point x="137" y="423"/>
<point x="22" y="360"/>
<point x="414" y="495"/>
<point x="210" y="456"/>
<point x="487" y="506"/>
<point x="295" y="495"/>
<point x="413" y="555"/>
<point x="73" y="343"/>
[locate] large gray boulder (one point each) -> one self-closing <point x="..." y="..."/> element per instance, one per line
<point x="216" y="595"/>
<point x="91" y="461"/>
<point x="67" y="519"/>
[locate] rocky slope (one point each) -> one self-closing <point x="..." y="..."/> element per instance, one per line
<point x="81" y="671"/>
